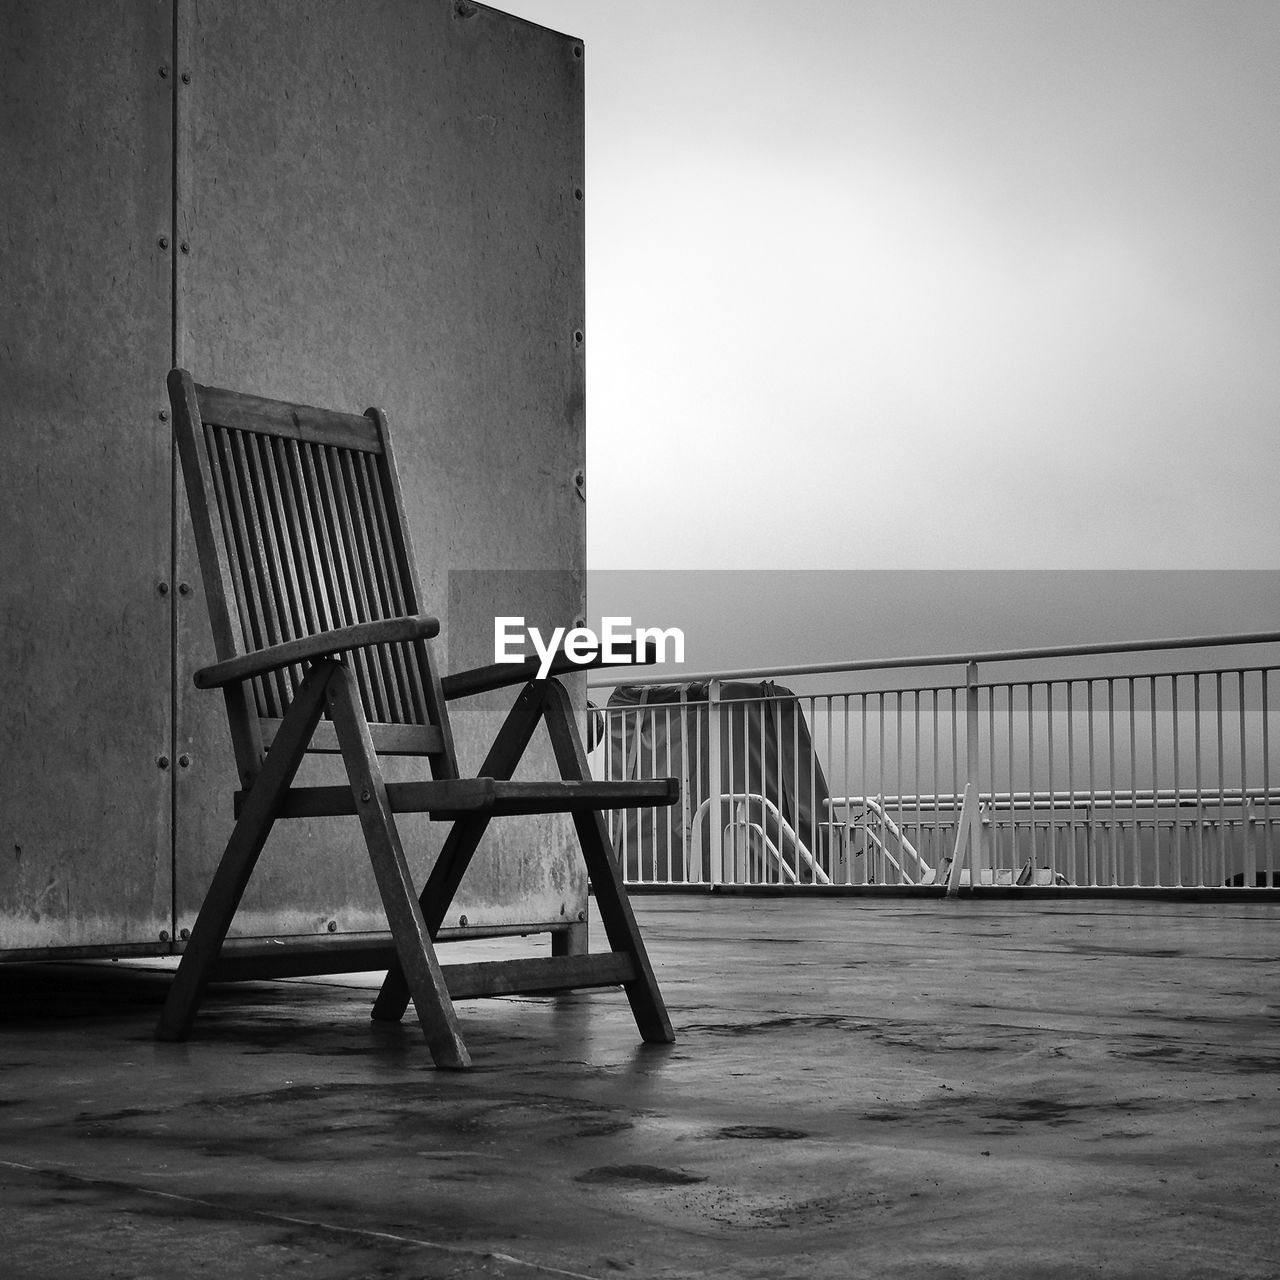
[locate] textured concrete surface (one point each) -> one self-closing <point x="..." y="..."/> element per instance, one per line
<point x="860" y="1088"/>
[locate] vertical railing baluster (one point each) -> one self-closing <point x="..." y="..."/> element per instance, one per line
<point x="1220" y="874"/>
<point x="863" y="792"/>
<point x="1113" y="853"/>
<point x="1248" y="860"/>
<point x="846" y="828"/>
<point x="713" y="782"/>
<point x="1072" y="872"/>
<point x="1157" y="878"/>
<point x="1201" y="869"/>
<point x="1267" y="835"/>
<point x="1053" y="800"/>
<point x="955" y="755"/>
<point x="1133" y="776"/>
<point x="1013" y="815"/>
<point x="1091" y="844"/>
<point x="1178" y="879"/>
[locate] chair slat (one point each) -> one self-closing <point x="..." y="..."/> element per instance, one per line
<point x="317" y="548"/>
<point x="236" y="606"/>
<point x="334" y="606"/>
<point x="254" y="622"/>
<point x="402" y="599"/>
<point x="382" y="580"/>
<point x="371" y="681"/>
<point x="375" y="689"/>
<point x="267" y="556"/>
<point x="367" y="582"/>
<point x="279" y="558"/>
<point x="292" y="599"/>
<point x="248" y="589"/>
<point x="306" y="553"/>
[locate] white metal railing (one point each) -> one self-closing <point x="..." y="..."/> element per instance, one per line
<point x="1162" y="777"/>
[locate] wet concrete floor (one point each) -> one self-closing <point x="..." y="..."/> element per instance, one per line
<point x="860" y="1087"/>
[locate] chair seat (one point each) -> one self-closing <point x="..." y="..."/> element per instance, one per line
<point x="451" y="798"/>
<point x="478" y="978"/>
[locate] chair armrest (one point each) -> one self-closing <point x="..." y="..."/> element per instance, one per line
<point x="499" y="675"/>
<point x="342" y="639"/>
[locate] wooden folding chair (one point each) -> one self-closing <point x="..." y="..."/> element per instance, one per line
<point x="321" y="647"/>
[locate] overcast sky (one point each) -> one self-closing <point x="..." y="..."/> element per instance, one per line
<point x="944" y="284"/>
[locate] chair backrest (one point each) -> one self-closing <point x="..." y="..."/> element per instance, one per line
<point x="300" y="528"/>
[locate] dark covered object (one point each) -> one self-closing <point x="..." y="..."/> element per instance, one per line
<point x="771" y="782"/>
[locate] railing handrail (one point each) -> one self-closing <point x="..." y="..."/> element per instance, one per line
<point x="1096" y="649"/>
<point x="1164" y="797"/>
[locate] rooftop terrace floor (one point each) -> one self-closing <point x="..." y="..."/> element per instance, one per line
<point x="860" y="1087"/>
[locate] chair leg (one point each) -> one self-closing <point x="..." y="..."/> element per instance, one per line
<point x="446" y="875"/>
<point x="619" y="922"/>
<point x="241" y="856"/>
<point x="414" y="949"/>
<point x="461" y="843"/>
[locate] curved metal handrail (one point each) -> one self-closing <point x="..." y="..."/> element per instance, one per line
<point x="784" y="827"/>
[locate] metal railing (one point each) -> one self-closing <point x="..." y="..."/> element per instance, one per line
<point x="1004" y="768"/>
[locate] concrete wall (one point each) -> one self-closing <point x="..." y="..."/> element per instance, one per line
<point x="341" y="202"/>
